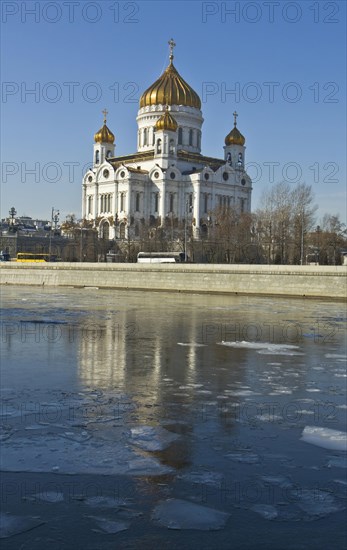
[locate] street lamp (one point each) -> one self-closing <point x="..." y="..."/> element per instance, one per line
<point x="13" y="214"/>
<point x="54" y="219"/>
<point x="302" y="238"/>
<point x="318" y="243"/>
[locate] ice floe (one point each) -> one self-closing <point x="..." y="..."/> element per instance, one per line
<point x="152" y="438"/>
<point x="203" y="478"/>
<point x="315" y="502"/>
<point x="191" y="344"/>
<point x="264" y="348"/>
<point x="49" y="496"/>
<point x="279" y="481"/>
<point x="337" y="462"/>
<point x="267" y="511"/>
<point x="13" y="525"/>
<point x="109" y="526"/>
<point x="243" y="456"/>
<point x="325" y="437"/>
<point x="182" y="514"/>
<point x="104" y="502"/>
<point x="42" y="453"/>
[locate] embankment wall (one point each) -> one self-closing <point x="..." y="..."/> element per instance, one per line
<point x="277" y="280"/>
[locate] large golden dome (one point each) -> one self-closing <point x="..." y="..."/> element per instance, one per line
<point x="166" y="122"/>
<point x="235" y="137"/>
<point x="170" y="89"/>
<point x="104" y="135"/>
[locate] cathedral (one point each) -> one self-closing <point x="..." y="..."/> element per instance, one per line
<point x="167" y="182"/>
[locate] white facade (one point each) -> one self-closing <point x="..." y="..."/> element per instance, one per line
<point x="167" y="178"/>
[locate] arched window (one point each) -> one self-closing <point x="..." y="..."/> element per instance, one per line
<point x="159" y="146"/>
<point x="180" y="136"/>
<point x="172" y="147"/>
<point x="240" y="161"/>
<point x="171" y="208"/>
<point x="153" y="135"/>
<point x="137" y="202"/>
<point x="105" y="231"/>
<point x="122" y="231"/>
<point x="205" y="202"/>
<point x="122" y="197"/>
<point x="137" y="230"/>
<point x="97" y="156"/>
<point x="145" y="142"/>
<point x="108" y="154"/>
<point x="190" y="137"/>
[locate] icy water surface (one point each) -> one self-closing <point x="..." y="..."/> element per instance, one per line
<point x="141" y="420"/>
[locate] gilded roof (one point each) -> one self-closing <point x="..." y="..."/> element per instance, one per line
<point x="104" y="135"/>
<point x="235" y="137"/>
<point x="166" y="122"/>
<point x="170" y="89"/>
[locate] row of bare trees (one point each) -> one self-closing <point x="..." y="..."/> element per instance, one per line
<point x="283" y="230"/>
<point x="285" y="227"/>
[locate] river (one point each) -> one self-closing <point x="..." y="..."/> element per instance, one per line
<point x="135" y="419"/>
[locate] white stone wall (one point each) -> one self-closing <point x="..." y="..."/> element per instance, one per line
<point x="295" y="281"/>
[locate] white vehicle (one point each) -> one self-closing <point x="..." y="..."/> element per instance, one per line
<point x="160" y="257"/>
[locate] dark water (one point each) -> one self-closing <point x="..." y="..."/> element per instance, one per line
<point x="131" y="420"/>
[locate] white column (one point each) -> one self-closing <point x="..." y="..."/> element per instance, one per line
<point x="127" y="203"/>
<point x="197" y="207"/>
<point x="95" y="202"/>
<point x="115" y="199"/>
<point x="162" y="203"/>
<point x="84" y="201"/>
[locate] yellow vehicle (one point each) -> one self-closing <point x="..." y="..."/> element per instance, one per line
<point x="32" y="257"/>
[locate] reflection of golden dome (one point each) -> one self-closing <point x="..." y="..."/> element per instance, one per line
<point x="166" y="122"/>
<point x="104" y="135"/>
<point x="170" y="89"/>
<point x="235" y="137"/>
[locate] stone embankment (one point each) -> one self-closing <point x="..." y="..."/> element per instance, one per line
<point x="276" y="280"/>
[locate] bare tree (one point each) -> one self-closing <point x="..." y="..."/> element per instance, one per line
<point x="283" y="221"/>
<point x="332" y="239"/>
<point x="303" y="219"/>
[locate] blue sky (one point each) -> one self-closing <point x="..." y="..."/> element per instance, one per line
<point x="281" y="65"/>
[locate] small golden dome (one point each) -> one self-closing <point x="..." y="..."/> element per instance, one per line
<point x="166" y="122"/>
<point x="104" y="135"/>
<point x="235" y="137"/>
<point x="170" y="89"/>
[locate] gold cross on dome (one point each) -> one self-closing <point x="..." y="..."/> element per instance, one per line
<point x="235" y="117"/>
<point x="172" y="44"/>
<point x="105" y="113"/>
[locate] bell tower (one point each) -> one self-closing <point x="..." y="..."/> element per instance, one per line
<point x="234" y="149"/>
<point x="104" y="143"/>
